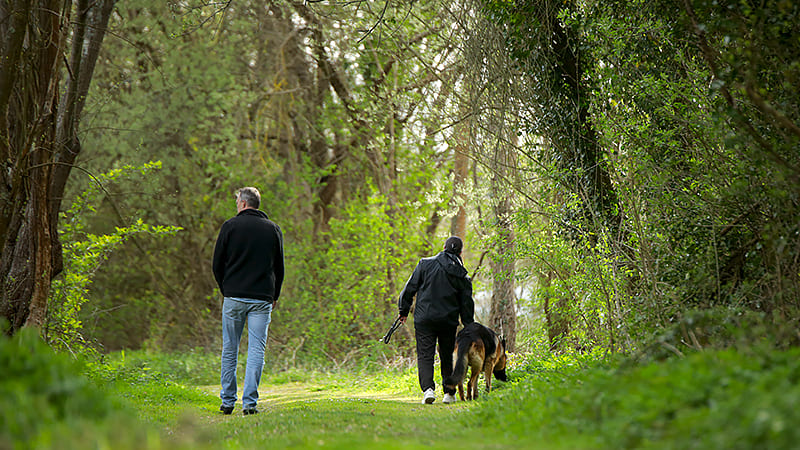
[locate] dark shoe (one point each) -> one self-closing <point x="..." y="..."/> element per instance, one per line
<point x="248" y="411"/>
<point x="226" y="409"/>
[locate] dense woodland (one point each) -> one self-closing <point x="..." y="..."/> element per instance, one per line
<point x="623" y="172"/>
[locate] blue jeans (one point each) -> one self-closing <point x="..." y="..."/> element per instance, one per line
<point x="234" y="313"/>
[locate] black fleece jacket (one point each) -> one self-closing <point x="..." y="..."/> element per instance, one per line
<point x="248" y="257"/>
<point x="443" y="289"/>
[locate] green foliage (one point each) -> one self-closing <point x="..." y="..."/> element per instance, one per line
<point x="40" y="388"/>
<point x="722" y="399"/>
<point x="579" y="287"/>
<point x="659" y="137"/>
<point x="84" y="253"/>
<point x="697" y="126"/>
<point x="46" y="402"/>
<point x="702" y="172"/>
<point x="350" y="287"/>
<point x="262" y="115"/>
<point x="160" y="96"/>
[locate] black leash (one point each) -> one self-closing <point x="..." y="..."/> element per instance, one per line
<point x="394" y="327"/>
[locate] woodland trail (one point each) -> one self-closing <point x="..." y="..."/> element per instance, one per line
<point x="286" y="393"/>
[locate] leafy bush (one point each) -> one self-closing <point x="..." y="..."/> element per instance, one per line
<point x="84" y="253"/>
<point x="341" y="298"/>
<point x="46" y="402"/>
<point x="715" y="399"/>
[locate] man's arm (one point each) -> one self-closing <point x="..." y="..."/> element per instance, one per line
<point x="467" y="306"/>
<point x="410" y="289"/>
<point x="218" y="261"/>
<point x="278" y="264"/>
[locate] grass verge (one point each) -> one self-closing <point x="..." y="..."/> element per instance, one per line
<point x="711" y="399"/>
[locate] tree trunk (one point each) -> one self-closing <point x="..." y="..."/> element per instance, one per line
<point x="458" y="225"/>
<point x="38" y="138"/>
<point x="556" y="317"/>
<point x="584" y="153"/>
<point x="503" y="313"/>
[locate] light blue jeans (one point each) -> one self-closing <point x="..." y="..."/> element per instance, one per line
<point x="258" y="314"/>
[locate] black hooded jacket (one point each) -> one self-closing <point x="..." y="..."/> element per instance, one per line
<point x="248" y="257"/>
<point x="443" y="289"/>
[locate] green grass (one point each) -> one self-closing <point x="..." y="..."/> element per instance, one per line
<point x="712" y="399"/>
<point x="46" y="402"/>
<point x="298" y="409"/>
<point x="341" y="409"/>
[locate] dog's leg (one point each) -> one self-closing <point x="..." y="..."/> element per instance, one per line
<point x="461" y="389"/>
<point x="488" y="375"/>
<point x="473" y="383"/>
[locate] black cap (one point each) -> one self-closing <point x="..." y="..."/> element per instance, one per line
<point x="453" y="245"/>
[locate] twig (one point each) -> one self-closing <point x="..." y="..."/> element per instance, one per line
<point x="672" y="348"/>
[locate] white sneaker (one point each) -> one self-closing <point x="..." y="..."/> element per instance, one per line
<point x="428" y="397"/>
<point x="449" y="398"/>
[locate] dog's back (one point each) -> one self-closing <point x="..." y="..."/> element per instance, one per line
<point x="477" y="348"/>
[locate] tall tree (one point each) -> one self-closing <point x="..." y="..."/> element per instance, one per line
<point x="39" y="117"/>
<point x="461" y="152"/>
<point x="556" y="89"/>
<point x="503" y="313"/>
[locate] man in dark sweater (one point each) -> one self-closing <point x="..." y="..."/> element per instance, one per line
<point x="444" y="293"/>
<point x="248" y="267"/>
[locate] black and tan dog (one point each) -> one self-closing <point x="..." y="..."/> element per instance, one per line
<point x="481" y="349"/>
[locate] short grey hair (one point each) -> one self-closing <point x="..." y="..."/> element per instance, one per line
<point x="250" y="196"/>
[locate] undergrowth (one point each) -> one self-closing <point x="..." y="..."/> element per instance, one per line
<point x="711" y="399"/>
<point x="46" y="402"/>
<point x="730" y="398"/>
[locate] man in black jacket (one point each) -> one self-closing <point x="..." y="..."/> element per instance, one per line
<point x="444" y="293"/>
<point x="248" y="267"/>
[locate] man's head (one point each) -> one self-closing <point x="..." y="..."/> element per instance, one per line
<point x="247" y="197"/>
<point x="453" y="245"/>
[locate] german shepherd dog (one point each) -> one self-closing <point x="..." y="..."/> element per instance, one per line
<point x="483" y="351"/>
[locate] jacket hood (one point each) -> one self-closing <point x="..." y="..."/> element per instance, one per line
<point x="253" y="212"/>
<point x="451" y="264"/>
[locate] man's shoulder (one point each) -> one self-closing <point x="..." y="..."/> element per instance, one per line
<point x="252" y="216"/>
<point x="427" y="261"/>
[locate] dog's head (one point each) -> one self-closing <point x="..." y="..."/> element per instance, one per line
<point x="500" y="368"/>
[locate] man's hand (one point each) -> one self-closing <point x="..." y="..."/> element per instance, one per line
<point x="402" y="319"/>
<point x="274" y="304"/>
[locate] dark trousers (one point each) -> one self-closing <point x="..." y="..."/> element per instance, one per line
<point x="427" y="334"/>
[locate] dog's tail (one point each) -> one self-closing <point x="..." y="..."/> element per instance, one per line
<point x="459" y="368"/>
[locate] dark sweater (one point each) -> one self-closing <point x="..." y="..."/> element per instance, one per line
<point x="443" y="289"/>
<point x="248" y="257"/>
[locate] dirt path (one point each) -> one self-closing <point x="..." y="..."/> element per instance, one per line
<point x="285" y="393"/>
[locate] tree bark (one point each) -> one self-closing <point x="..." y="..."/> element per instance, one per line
<point x="38" y="137"/>
<point x="458" y="225"/>
<point x="503" y="312"/>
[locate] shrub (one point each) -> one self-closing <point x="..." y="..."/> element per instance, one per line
<point x="40" y="388"/>
<point x="46" y="402"/>
<point x="712" y="399"/>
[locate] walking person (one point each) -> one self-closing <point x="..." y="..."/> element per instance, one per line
<point x="444" y="293"/>
<point x="248" y="267"/>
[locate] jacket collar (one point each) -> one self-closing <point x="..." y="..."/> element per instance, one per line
<point x="451" y="264"/>
<point x="252" y="212"/>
